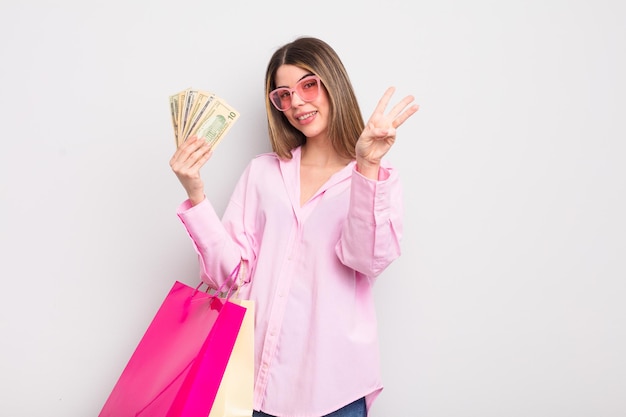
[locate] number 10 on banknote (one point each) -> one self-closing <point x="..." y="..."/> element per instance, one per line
<point x="202" y="114"/>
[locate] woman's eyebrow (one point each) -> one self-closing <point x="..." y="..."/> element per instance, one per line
<point x="301" y="78"/>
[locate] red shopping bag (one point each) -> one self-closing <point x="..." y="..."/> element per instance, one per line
<point x="176" y="369"/>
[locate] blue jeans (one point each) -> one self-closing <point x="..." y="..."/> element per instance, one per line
<point x="355" y="409"/>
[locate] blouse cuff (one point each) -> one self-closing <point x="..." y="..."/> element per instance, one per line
<point x="371" y="200"/>
<point x="198" y="219"/>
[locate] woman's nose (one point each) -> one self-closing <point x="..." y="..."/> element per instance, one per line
<point x="296" y="101"/>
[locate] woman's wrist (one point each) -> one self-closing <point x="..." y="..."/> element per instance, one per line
<point x="196" y="198"/>
<point x="367" y="169"/>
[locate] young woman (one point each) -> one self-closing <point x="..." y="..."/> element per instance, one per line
<point x="313" y="224"/>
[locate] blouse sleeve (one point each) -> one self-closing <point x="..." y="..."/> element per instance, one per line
<point x="221" y="244"/>
<point x="371" y="234"/>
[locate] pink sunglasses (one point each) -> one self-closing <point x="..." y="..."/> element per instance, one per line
<point x="307" y="89"/>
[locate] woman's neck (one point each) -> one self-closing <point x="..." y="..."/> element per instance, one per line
<point x="321" y="154"/>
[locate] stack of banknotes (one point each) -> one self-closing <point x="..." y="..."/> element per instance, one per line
<point x="202" y="114"/>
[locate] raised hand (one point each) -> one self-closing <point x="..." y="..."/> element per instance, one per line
<point x="186" y="162"/>
<point x="379" y="134"/>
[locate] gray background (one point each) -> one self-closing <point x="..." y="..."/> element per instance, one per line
<point x="508" y="300"/>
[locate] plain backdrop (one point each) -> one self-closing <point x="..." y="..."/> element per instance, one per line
<point x="509" y="297"/>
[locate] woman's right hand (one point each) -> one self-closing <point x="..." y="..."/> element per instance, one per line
<point x="190" y="156"/>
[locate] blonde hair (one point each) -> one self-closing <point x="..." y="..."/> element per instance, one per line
<point x="345" y="122"/>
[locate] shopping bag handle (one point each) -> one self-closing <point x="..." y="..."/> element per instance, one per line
<point x="221" y="290"/>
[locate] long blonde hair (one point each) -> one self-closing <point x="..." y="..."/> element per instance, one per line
<point x="345" y="122"/>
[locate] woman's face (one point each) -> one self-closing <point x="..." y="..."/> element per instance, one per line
<point x="309" y="117"/>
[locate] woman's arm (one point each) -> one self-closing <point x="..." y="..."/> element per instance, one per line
<point x="371" y="234"/>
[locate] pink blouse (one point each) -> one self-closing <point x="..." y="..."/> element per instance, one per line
<point x="310" y="271"/>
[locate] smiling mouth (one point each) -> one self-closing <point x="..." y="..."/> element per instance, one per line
<point x="306" y="116"/>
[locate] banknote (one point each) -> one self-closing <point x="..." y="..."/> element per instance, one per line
<point x="180" y="99"/>
<point x="201" y="113"/>
<point x="189" y="100"/>
<point x="201" y="107"/>
<point x="174" y="109"/>
<point x="218" y="121"/>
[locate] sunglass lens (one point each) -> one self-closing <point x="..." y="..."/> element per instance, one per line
<point x="281" y="98"/>
<point x="308" y="89"/>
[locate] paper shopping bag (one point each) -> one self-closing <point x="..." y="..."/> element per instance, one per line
<point x="177" y="367"/>
<point x="234" y="397"/>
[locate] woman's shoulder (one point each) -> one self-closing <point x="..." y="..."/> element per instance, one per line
<point x="265" y="157"/>
<point x="271" y="158"/>
<point x="263" y="160"/>
<point x="261" y="163"/>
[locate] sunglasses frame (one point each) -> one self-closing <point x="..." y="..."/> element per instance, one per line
<point x="295" y="90"/>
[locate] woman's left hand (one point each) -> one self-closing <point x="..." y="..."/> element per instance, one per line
<point x="380" y="131"/>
